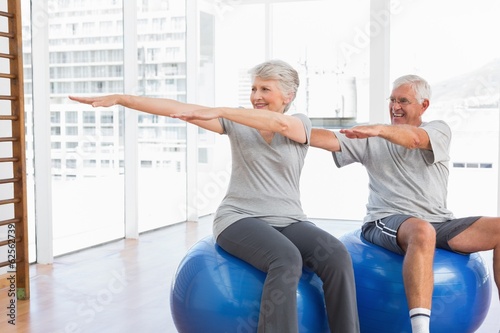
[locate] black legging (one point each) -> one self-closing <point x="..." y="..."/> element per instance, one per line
<point x="281" y="253"/>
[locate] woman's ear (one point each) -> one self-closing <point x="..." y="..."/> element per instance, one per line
<point x="288" y="99"/>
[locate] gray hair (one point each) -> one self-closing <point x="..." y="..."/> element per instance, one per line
<point x="420" y="86"/>
<point x="286" y="75"/>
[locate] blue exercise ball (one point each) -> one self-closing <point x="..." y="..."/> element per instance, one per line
<point x="215" y="292"/>
<point x="460" y="301"/>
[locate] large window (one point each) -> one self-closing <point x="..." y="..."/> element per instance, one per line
<point x="213" y="160"/>
<point x="90" y="154"/>
<point x="328" y="42"/>
<point x="161" y="141"/>
<point x="455" y="49"/>
<point x="88" y="183"/>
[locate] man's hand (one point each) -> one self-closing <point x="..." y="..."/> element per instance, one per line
<point x="362" y="132"/>
<point x="200" y="114"/>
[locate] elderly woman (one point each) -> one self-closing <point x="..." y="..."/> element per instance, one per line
<point x="260" y="220"/>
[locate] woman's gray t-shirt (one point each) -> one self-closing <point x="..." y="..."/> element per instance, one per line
<point x="265" y="178"/>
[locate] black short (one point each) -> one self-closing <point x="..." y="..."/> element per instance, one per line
<point x="383" y="232"/>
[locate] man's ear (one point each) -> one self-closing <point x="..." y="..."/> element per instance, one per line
<point x="425" y="105"/>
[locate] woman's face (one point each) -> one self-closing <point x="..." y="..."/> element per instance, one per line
<point x="266" y="94"/>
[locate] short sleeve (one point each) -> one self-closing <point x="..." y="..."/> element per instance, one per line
<point x="440" y="137"/>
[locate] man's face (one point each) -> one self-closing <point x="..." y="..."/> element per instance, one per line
<point x="404" y="108"/>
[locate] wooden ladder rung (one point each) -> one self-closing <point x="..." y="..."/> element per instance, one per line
<point x="9" y="117"/>
<point x="7" y="34"/>
<point x="6" y="97"/>
<point x="10" y="241"/>
<point x="9" y="181"/>
<point x="6" y="14"/>
<point x="8" y="159"/>
<point x="7" y="263"/>
<point x="7" y="76"/>
<point x="8" y="139"/>
<point x="11" y="221"/>
<point x="10" y="201"/>
<point x="7" y="56"/>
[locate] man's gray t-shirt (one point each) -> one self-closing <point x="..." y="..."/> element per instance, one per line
<point x="401" y="180"/>
<point x="265" y="178"/>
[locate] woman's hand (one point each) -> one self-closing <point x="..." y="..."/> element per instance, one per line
<point x="103" y="101"/>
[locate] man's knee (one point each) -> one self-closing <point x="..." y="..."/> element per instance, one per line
<point x="416" y="232"/>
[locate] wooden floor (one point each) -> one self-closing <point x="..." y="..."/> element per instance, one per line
<point x="124" y="286"/>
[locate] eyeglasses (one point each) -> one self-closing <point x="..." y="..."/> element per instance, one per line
<point x="403" y="101"/>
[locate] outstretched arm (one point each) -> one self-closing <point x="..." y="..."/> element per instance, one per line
<point x="324" y="139"/>
<point x="158" y="106"/>
<point x="289" y="126"/>
<point x="408" y="136"/>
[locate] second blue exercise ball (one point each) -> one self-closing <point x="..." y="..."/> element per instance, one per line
<point x="461" y="298"/>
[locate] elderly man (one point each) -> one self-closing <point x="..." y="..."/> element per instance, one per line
<point x="407" y="164"/>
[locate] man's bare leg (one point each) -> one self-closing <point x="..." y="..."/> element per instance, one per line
<point x="483" y="235"/>
<point x="418" y="239"/>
